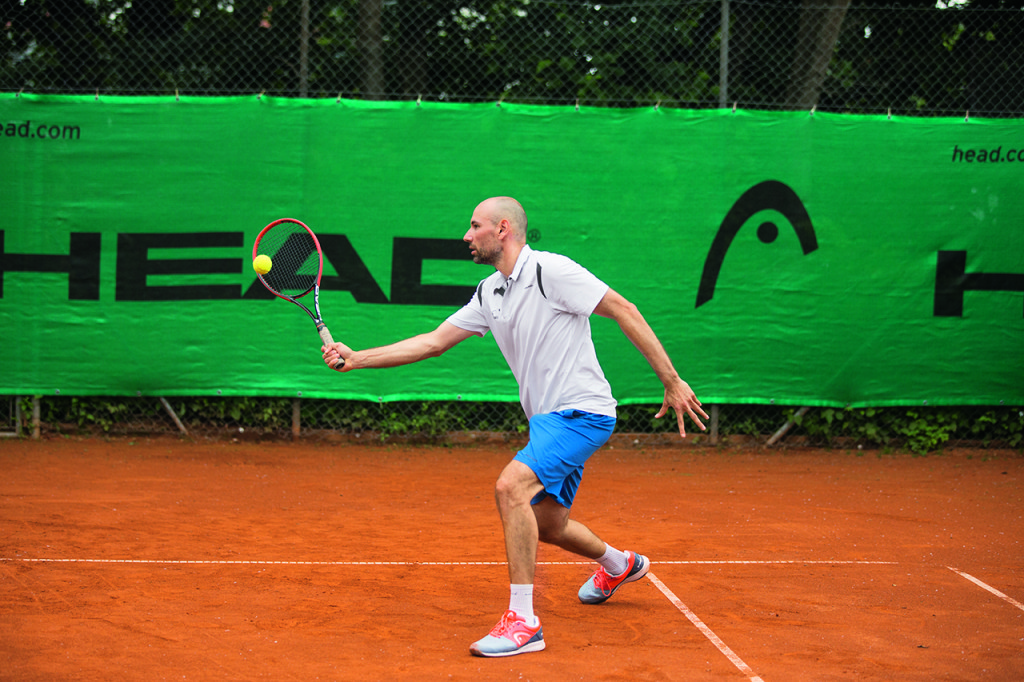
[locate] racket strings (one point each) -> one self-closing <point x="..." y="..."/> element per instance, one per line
<point x="293" y="253"/>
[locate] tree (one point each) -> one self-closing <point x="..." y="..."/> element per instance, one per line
<point x="371" y="46"/>
<point x="816" y="38"/>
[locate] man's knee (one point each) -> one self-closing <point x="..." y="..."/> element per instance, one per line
<point x="517" y="484"/>
<point x="505" y="489"/>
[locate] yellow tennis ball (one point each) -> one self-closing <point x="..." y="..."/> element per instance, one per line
<point x="261" y="264"/>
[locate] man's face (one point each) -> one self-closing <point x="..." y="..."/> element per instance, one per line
<point x="482" y="238"/>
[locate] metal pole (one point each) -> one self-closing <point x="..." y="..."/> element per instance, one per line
<point x="174" y="415"/>
<point x="723" y="58"/>
<point x="304" y="50"/>
<point x="296" y="418"/>
<point x="784" y="429"/>
<point x="714" y="425"/>
<point x="35" y="418"/>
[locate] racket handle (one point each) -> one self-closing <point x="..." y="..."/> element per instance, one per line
<point x="325" y="336"/>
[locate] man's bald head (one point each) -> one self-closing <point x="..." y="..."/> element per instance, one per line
<point x="506" y="208"/>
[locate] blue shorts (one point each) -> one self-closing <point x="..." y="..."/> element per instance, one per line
<point x="560" y="443"/>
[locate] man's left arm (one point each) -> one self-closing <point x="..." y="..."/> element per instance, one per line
<point x="678" y="394"/>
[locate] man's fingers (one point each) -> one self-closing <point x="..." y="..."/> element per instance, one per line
<point x="686" y="405"/>
<point x="697" y="421"/>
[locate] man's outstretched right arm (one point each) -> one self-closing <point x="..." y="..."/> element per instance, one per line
<point x="407" y="351"/>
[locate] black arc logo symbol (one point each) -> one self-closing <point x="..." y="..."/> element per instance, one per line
<point x="767" y="195"/>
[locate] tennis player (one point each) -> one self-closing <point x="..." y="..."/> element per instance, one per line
<point x="538" y="306"/>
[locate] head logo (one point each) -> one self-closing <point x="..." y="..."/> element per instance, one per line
<point x="952" y="280"/>
<point x="767" y="195"/>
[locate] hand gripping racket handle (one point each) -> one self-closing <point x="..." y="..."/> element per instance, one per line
<point x="325" y="336"/>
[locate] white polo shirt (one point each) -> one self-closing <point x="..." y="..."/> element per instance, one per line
<point x="540" y="318"/>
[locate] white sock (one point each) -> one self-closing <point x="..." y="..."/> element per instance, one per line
<point x="614" y="561"/>
<point x="521" y="601"/>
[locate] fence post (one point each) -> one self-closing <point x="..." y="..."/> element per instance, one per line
<point x="35" y="417"/>
<point x="723" y="58"/>
<point x="304" y="49"/>
<point x="296" y="417"/>
<point x="713" y="438"/>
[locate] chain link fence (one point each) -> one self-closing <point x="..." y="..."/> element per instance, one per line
<point x="915" y="429"/>
<point x="941" y="59"/>
<point x="915" y="58"/>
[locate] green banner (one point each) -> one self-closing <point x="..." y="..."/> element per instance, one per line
<point x="792" y="258"/>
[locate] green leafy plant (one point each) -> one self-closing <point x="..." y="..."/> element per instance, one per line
<point x="916" y="429"/>
<point x="919" y="430"/>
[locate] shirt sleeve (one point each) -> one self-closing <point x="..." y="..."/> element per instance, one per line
<point x="570" y="287"/>
<point x="472" y="316"/>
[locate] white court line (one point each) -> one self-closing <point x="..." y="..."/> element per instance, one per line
<point x="776" y="561"/>
<point x="991" y="589"/>
<point x="406" y="563"/>
<point x="705" y="630"/>
<point x="258" y="562"/>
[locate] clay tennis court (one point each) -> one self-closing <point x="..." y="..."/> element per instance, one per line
<point x="153" y="559"/>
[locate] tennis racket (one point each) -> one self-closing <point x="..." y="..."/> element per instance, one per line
<point x="297" y="263"/>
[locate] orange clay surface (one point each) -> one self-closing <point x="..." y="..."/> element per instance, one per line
<point x="159" y="559"/>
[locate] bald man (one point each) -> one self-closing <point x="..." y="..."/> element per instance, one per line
<point x="538" y="307"/>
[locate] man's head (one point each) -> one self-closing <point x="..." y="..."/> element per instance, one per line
<point x="507" y="209"/>
<point x="497" y="232"/>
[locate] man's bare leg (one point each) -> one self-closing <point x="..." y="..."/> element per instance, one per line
<point x="556" y="528"/>
<point x="519" y="630"/>
<point x="515" y="488"/>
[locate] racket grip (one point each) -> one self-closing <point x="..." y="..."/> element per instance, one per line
<point x="325" y="336"/>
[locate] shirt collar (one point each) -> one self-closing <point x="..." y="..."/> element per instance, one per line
<point x="524" y="256"/>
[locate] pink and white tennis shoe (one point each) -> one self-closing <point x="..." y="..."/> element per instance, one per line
<point x="509" y="637"/>
<point x="601" y="586"/>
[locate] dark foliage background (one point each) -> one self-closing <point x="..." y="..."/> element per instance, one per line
<point x="914" y="57"/>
